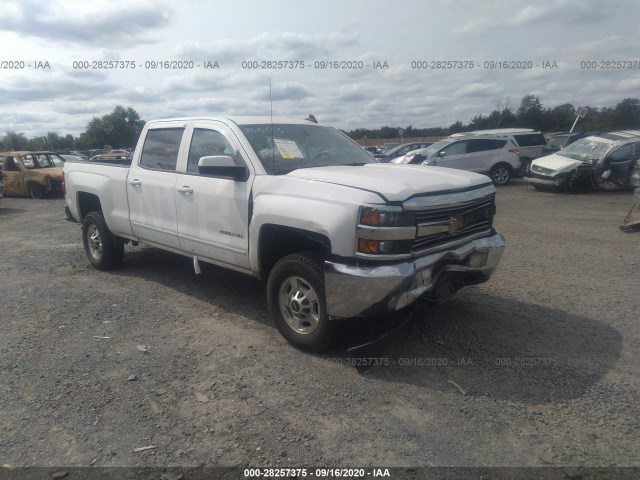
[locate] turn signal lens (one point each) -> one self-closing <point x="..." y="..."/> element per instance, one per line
<point x="368" y="246"/>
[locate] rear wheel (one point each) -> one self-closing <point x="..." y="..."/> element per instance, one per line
<point x="296" y="296"/>
<point x="103" y="250"/>
<point x="500" y="174"/>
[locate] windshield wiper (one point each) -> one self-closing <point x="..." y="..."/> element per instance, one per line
<point x="354" y="164"/>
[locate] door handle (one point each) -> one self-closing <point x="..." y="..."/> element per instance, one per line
<point x="135" y="182"/>
<point x="186" y="190"/>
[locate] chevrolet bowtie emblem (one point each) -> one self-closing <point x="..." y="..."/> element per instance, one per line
<point x="455" y="224"/>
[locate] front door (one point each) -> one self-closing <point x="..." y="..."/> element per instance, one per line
<point x="213" y="213"/>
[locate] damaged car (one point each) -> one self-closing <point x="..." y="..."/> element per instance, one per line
<point x="30" y="174"/>
<point x="604" y="161"/>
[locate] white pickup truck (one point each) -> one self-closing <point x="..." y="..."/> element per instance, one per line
<point x="333" y="232"/>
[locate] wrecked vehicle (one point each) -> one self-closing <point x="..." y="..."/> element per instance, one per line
<point x="334" y="233"/>
<point x="31" y="174"/>
<point x="604" y="161"/>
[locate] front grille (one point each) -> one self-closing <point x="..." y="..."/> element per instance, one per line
<point x="455" y="223"/>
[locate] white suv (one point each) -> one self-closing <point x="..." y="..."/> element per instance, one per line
<point x="497" y="157"/>
<point x="530" y="142"/>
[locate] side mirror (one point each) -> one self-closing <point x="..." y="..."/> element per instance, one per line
<point x="222" y="166"/>
<point x="442" y="153"/>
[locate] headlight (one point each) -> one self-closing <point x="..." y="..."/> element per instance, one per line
<point x="385" y="231"/>
<point x="382" y="217"/>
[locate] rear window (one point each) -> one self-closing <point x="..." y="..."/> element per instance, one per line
<point x="160" y="150"/>
<point x="530" y="140"/>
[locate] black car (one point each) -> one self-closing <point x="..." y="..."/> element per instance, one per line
<point x="401" y="150"/>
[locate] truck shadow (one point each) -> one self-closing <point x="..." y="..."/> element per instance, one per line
<point x="6" y="211"/>
<point x="481" y="344"/>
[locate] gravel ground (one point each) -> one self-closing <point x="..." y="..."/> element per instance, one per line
<point x="538" y="367"/>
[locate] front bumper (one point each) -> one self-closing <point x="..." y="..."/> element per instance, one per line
<point x="353" y="290"/>
<point x="546" y="181"/>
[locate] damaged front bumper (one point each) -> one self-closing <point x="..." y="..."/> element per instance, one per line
<point x="353" y="290"/>
<point x="546" y="181"/>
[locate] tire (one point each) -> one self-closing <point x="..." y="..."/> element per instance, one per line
<point x="36" y="191"/>
<point x="572" y="183"/>
<point x="297" y="302"/>
<point x="103" y="250"/>
<point x="500" y="174"/>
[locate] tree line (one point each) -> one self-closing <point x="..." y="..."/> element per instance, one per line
<point x="529" y="114"/>
<point x="120" y="129"/>
<point x="122" y="126"/>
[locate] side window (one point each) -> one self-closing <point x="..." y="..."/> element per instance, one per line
<point x="206" y="143"/>
<point x="160" y="150"/>
<point x="456" y="148"/>
<point x="622" y="153"/>
<point x="28" y="161"/>
<point x="530" y="140"/>
<point x="636" y="151"/>
<point x="485" y="144"/>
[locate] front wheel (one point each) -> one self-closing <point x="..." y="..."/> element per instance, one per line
<point x="500" y="174"/>
<point x="296" y="297"/>
<point x="102" y="249"/>
<point x="36" y="191"/>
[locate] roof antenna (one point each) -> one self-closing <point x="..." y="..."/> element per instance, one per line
<point x="311" y="118"/>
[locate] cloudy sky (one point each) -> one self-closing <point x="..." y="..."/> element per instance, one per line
<point x="68" y="34"/>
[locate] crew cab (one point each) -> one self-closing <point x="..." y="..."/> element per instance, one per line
<point x="334" y="233"/>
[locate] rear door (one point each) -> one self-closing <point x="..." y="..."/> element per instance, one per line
<point x="213" y="213"/>
<point x="151" y="185"/>
<point x="483" y="152"/>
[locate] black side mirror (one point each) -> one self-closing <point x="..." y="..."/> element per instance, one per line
<point x="222" y="166"/>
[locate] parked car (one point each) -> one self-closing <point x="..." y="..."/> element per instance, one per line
<point x="373" y="150"/>
<point x="558" y="141"/>
<point x="70" y="157"/>
<point x="530" y="142"/>
<point x="31" y="174"/>
<point x="498" y="157"/>
<point x="385" y="147"/>
<point x="113" y="157"/>
<point x="603" y="161"/>
<point x="1" y="185"/>
<point x="401" y="150"/>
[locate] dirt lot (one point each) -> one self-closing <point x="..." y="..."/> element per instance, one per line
<point x="538" y="367"/>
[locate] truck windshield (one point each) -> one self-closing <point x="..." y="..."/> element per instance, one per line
<point x="283" y="148"/>
<point x="585" y="150"/>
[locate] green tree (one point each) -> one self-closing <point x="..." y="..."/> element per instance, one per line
<point x="530" y="113"/>
<point x="626" y="114"/>
<point x="14" y="141"/>
<point x="120" y="128"/>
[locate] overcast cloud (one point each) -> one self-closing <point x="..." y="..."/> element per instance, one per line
<point x="377" y="33"/>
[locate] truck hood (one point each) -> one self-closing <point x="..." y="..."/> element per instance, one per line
<point x="394" y="182"/>
<point x="555" y="162"/>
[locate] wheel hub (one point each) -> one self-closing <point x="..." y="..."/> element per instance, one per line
<point x="299" y="305"/>
<point x="94" y="241"/>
